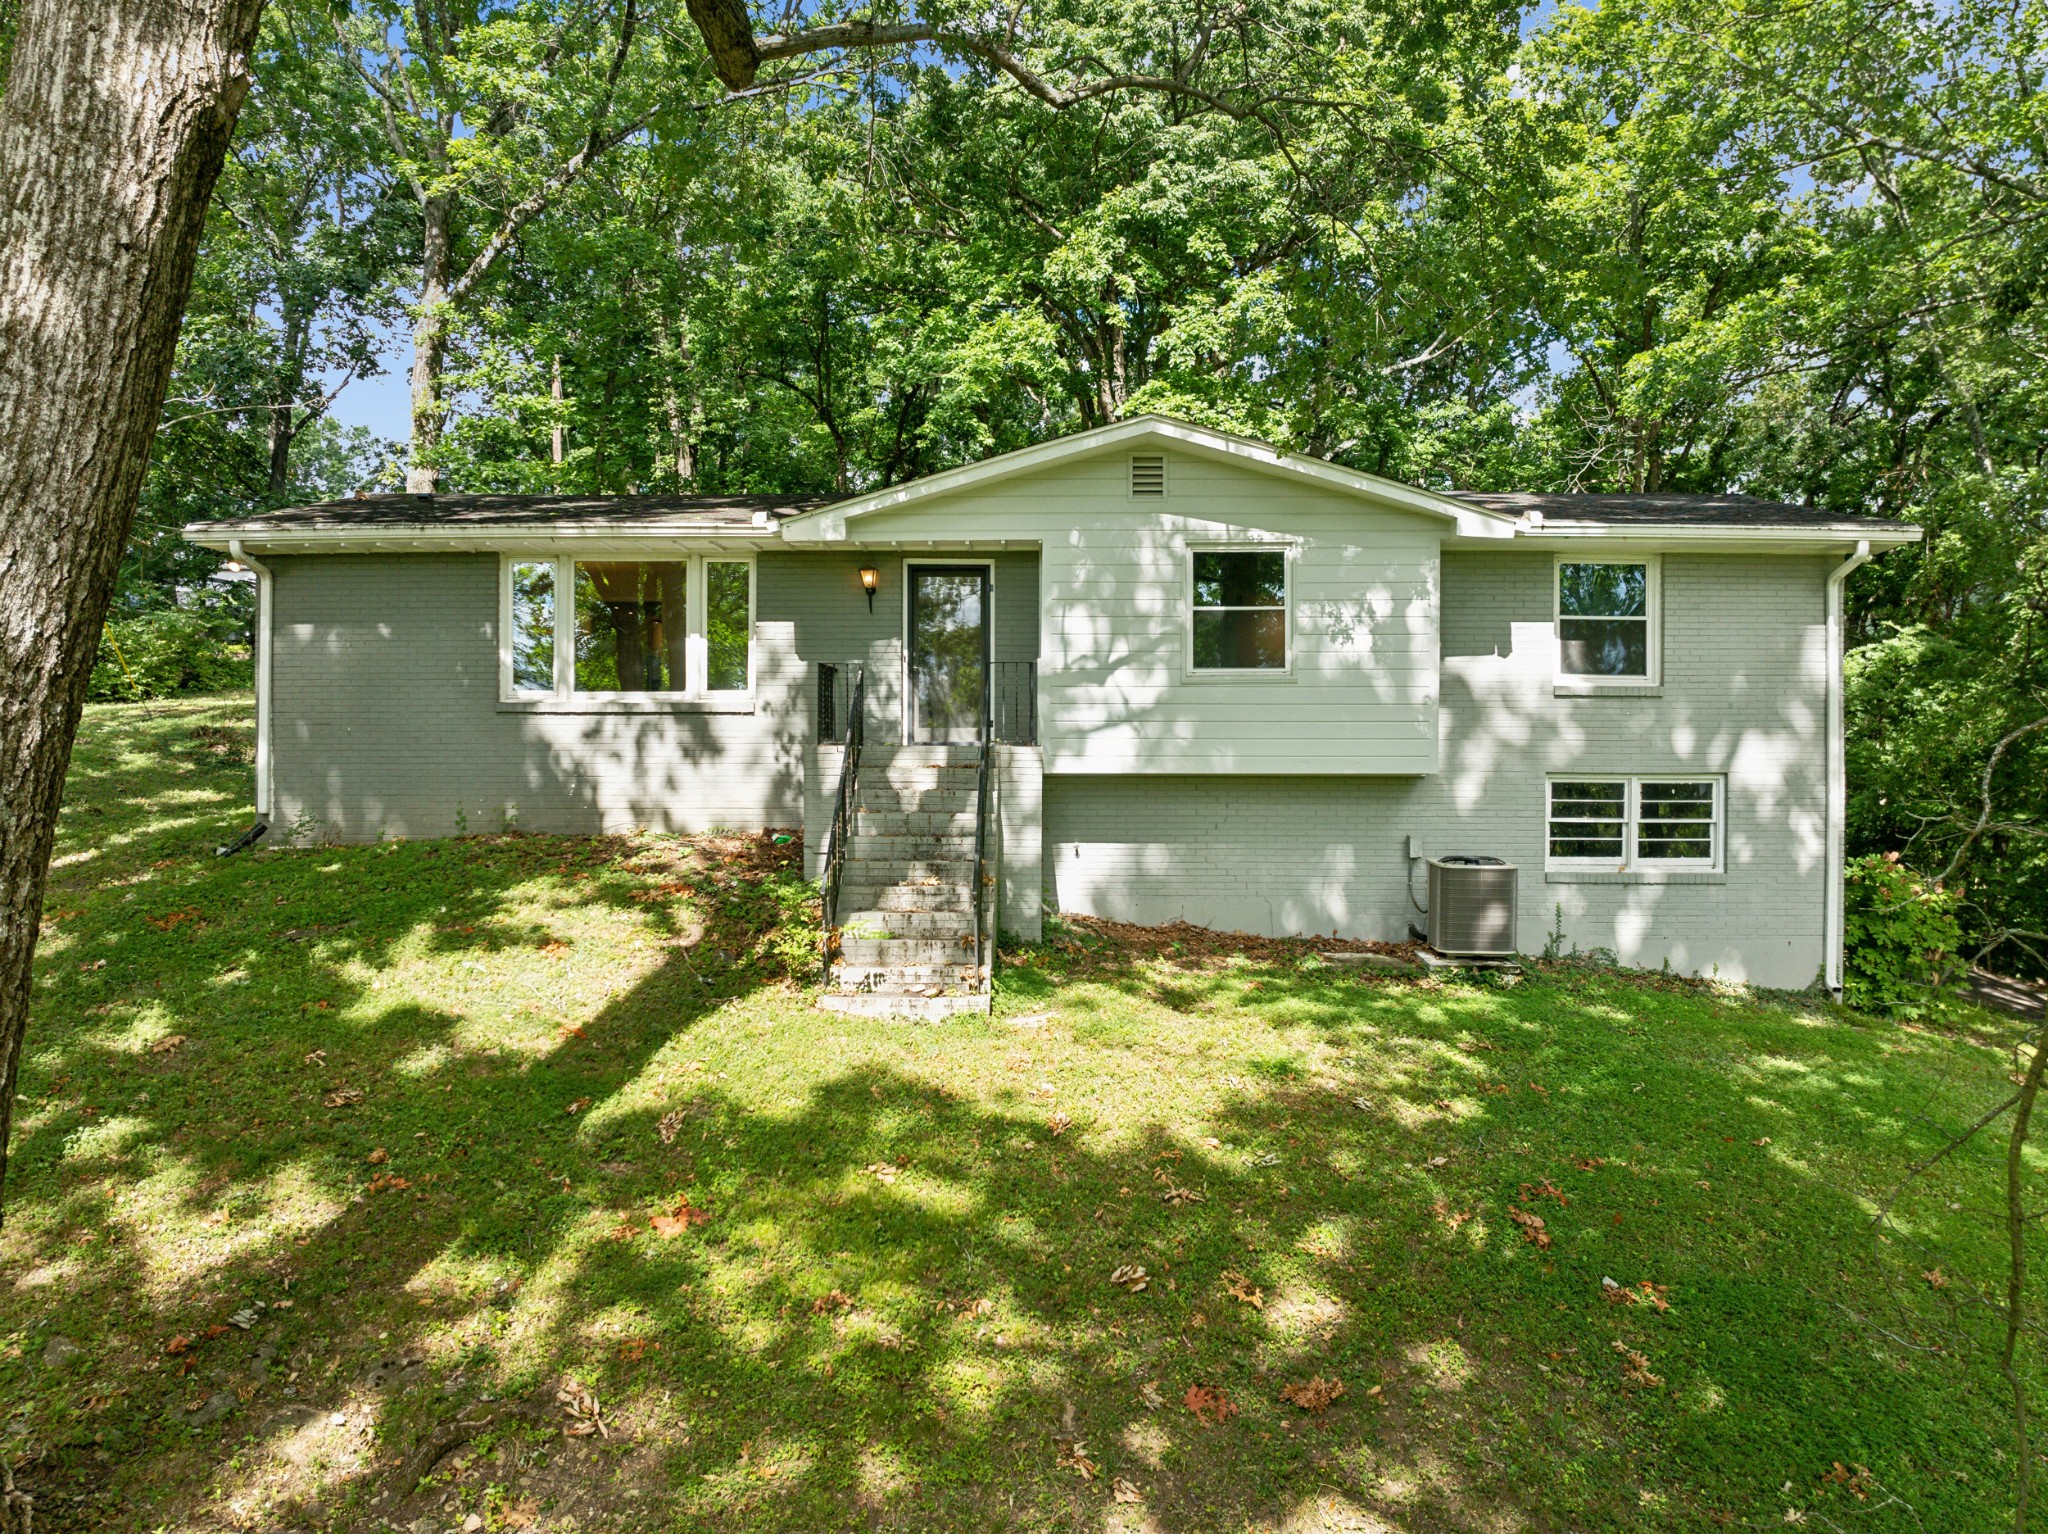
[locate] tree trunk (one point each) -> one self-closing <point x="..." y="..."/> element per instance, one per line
<point x="112" y="129"/>
<point x="430" y="341"/>
<point x="284" y="423"/>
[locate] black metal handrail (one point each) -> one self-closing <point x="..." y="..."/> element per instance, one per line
<point x="1012" y="702"/>
<point x="842" y="804"/>
<point x="981" y="874"/>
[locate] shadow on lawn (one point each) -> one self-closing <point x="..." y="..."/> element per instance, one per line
<point x="899" y="1307"/>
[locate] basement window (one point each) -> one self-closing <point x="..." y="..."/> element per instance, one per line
<point x="1616" y="825"/>
<point x="625" y="630"/>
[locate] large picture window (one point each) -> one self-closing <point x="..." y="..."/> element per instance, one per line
<point x="1617" y="824"/>
<point x="1239" y="609"/>
<point x="626" y="628"/>
<point x="1606" y="620"/>
<point x="632" y="626"/>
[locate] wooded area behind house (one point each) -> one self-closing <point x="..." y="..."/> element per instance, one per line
<point x="1654" y="246"/>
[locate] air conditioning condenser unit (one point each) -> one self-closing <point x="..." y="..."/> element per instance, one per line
<point x="1472" y="906"/>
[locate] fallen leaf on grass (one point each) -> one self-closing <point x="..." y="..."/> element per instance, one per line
<point x="1173" y="1195"/>
<point x="1635" y="1369"/>
<point x="1241" y="1289"/>
<point x="1074" y="1457"/>
<point x="177" y="1345"/>
<point x="882" y="1172"/>
<point x="1059" y="1122"/>
<point x="670" y="1126"/>
<point x="1453" y="1218"/>
<point x="585" y="1415"/>
<point x="554" y="949"/>
<point x="1544" y="1189"/>
<point x="1532" y="1228"/>
<point x="166" y="1045"/>
<point x="385" y="1182"/>
<point x="577" y="1106"/>
<point x="1856" y="1483"/>
<point x="825" y="1304"/>
<point x="633" y="1349"/>
<point x="1313" y="1394"/>
<point x="1766" y="1140"/>
<point x="686" y="1215"/>
<point x="343" y="1097"/>
<point x="1588" y="1163"/>
<point x="315" y="1057"/>
<point x="1210" y="1142"/>
<point x="1644" y="1293"/>
<point x="1124" y="1490"/>
<point x="1936" y="1279"/>
<point x="1211" y="1407"/>
<point x="1130" y="1276"/>
<point x="1148" y="1393"/>
<point x="1436" y="1161"/>
<point x="379" y="1156"/>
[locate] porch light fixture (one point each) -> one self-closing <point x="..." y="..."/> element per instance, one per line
<point x="870" y="578"/>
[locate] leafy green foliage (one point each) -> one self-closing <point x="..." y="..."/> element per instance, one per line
<point x="166" y="651"/>
<point x="1904" y="941"/>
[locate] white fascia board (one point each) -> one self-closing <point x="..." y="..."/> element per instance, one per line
<point x="597" y="537"/>
<point x="829" y="523"/>
<point x="1705" y="538"/>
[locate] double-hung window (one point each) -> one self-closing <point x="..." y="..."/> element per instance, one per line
<point x="627" y="628"/>
<point x="1238" y="609"/>
<point x="1607" y="622"/>
<point x="1617" y="825"/>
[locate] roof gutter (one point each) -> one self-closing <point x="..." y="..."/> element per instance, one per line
<point x="1834" y="921"/>
<point x="263" y="624"/>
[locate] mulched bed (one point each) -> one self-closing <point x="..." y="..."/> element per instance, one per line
<point x="1185" y="944"/>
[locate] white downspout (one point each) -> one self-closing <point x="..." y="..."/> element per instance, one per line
<point x="263" y="603"/>
<point x="1838" y="777"/>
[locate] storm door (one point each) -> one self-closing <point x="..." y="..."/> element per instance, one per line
<point x="948" y="652"/>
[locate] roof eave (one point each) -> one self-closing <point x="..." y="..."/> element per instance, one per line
<point x="828" y="524"/>
<point x="1717" y="535"/>
<point x="427" y="537"/>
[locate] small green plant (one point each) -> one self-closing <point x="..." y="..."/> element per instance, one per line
<point x="1903" y="938"/>
<point x="1553" y="946"/>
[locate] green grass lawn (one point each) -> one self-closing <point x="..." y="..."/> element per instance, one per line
<point x="362" y="1181"/>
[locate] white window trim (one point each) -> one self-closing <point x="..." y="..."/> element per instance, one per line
<point x="1653" y="609"/>
<point x="1235" y="546"/>
<point x="1632" y="785"/>
<point x="696" y="645"/>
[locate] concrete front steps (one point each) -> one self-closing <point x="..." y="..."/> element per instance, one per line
<point x="906" y="890"/>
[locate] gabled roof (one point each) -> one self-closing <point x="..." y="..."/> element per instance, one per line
<point x="829" y="523"/>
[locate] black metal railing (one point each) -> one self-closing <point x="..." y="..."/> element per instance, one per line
<point x="982" y="944"/>
<point x="834" y="865"/>
<point x="1011" y="701"/>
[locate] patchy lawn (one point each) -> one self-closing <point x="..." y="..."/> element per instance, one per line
<point x="513" y="1182"/>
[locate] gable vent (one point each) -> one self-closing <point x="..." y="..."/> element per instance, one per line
<point x="1148" y="474"/>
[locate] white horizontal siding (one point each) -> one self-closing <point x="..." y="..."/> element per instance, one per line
<point x="1115" y="690"/>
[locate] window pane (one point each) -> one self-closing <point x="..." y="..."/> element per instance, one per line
<point x="533" y="628"/>
<point x="1605" y="646"/>
<point x="1603" y="591"/>
<point x="1675" y="821"/>
<point x="1244" y="639"/>
<point x="1587" y="819"/>
<point x="1240" y="580"/>
<point x="726" y="624"/>
<point x="630" y="626"/>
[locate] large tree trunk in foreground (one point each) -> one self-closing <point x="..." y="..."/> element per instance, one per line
<point x="112" y="129"/>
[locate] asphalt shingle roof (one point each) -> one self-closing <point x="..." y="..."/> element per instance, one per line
<point x="457" y="511"/>
<point x="1673" y="511"/>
